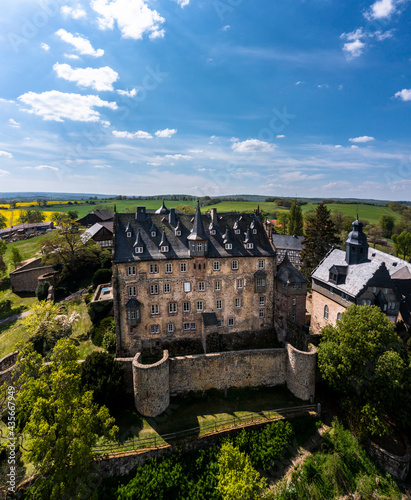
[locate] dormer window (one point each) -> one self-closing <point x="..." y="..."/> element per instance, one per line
<point x="178" y="232"/>
<point x="164" y="248"/>
<point x="153" y="234"/>
<point x="128" y="234"/>
<point x="199" y="247"/>
<point x="333" y="277"/>
<point x="254" y="231"/>
<point x="213" y="232"/>
<point x="228" y="246"/>
<point x="237" y="231"/>
<point x="139" y="249"/>
<point x="250" y="246"/>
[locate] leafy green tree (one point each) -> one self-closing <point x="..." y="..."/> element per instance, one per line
<point x="42" y="290"/>
<point x="386" y="223"/>
<point x="402" y="243"/>
<point x="31" y="216"/>
<point x="282" y="222"/>
<point x="363" y="359"/>
<point x="104" y="376"/>
<point x="375" y="236"/>
<point x="3" y="221"/>
<point x="63" y="422"/>
<point x="101" y="276"/>
<point x="16" y="256"/>
<point x="72" y="214"/>
<point x="320" y="236"/>
<point x="295" y="219"/>
<point x="237" y="478"/>
<point x="13" y="204"/>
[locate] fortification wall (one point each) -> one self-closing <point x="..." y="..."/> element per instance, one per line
<point x="151" y="386"/>
<point x="251" y="368"/>
<point x="301" y="372"/>
<point x="6" y="366"/>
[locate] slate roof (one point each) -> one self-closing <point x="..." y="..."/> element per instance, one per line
<point x="28" y="225"/>
<point x="288" y="242"/>
<point x="379" y="265"/>
<point x="287" y="273"/>
<point x="95" y="228"/>
<point x="179" y="245"/>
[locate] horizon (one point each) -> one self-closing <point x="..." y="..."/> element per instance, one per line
<point x="305" y="100"/>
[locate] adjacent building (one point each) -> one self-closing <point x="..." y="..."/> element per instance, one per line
<point x="187" y="280"/>
<point x="101" y="233"/>
<point x="94" y="217"/>
<point x="290" y="245"/>
<point x="361" y="276"/>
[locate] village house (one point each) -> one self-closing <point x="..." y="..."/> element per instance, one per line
<point x="96" y="216"/>
<point x="101" y="233"/>
<point x="361" y="276"/>
<point x="290" y="245"/>
<point x="25" y="230"/>
<point x="29" y="273"/>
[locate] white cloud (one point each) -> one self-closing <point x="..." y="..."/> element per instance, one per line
<point x="202" y="169"/>
<point x="381" y="9"/>
<point x="357" y="40"/>
<point x="299" y="176"/>
<point x="337" y="185"/>
<point x="5" y="154"/>
<point x="167" y="132"/>
<point x="280" y="136"/>
<point x="182" y="3"/>
<point x="299" y="82"/>
<point x="3" y="173"/>
<point x="195" y="151"/>
<point x="133" y="17"/>
<point x="77" y="13"/>
<point x="6" y="101"/>
<point x="128" y="93"/>
<point x="45" y="47"/>
<point x="226" y="28"/>
<point x="81" y="44"/>
<point x="252" y="146"/>
<point x="140" y="134"/>
<point x="337" y="146"/>
<point x="71" y="56"/>
<point x="42" y="167"/>
<point x="102" y="166"/>
<point x="13" y="123"/>
<point x="57" y="106"/>
<point x="404" y="94"/>
<point x="354" y="49"/>
<point x="97" y="78"/>
<point x="178" y="157"/>
<point x="363" y="138"/>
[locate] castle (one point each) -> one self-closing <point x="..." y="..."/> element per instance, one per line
<point x="204" y="286"/>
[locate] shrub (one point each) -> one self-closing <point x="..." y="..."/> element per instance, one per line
<point x="101" y="276"/>
<point x="42" y="290"/>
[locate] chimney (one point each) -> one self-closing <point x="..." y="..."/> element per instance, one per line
<point x="141" y="214"/>
<point x="172" y="219"/>
<point x="214" y="217"/>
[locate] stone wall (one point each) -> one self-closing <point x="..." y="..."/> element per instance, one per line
<point x="319" y="301"/>
<point x="396" y="465"/>
<point x="6" y="366"/>
<point x="151" y="386"/>
<point x="27" y="279"/>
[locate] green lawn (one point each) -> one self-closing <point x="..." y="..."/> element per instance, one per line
<point x="29" y="248"/>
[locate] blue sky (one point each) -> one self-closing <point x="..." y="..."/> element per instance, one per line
<point x="206" y="97"/>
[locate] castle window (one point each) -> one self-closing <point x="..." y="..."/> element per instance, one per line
<point x="199" y="305"/>
<point x="385" y="291"/>
<point x="238" y="303"/>
<point x="154" y="329"/>
<point x="230" y="321"/>
<point x="201" y="286"/>
<point x="132" y="291"/>
<point x="216" y="265"/>
<point x="153" y="234"/>
<point x="153" y="289"/>
<point x="326" y="312"/>
<point x="261" y="263"/>
<point x="128" y="234"/>
<point x="195" y="266"/>
<point x="131" y="271"/>
<point x="217" y="286"/>
<point x="172" y="307"/>
<point x="186" y="326"/>
<point x="139" y="249"/>
<point x="199" y="247"/>
<point x="262" y="301"/>
<point x="164" y="248"/>
<point x="153" y="268"/>
<point x="374" y="290"/>
<point x="237" y="231"/>
<point x="338" y="316"/>
<point x="183" y="267"/>
<point x="154" y="309"/>
<point x="260" y="283"/>
<point x="228" y="246"/>
<point x="219" y="304"/>
<point x="170" y="328"/>
<point x="240" y="283"/>
<point x="167" y="288"/>
<point x="187" y="286"/>
<point x="192" y="326"/>
<point x="234" y="265"/>
<point x="186" y="307"/>
<point x="294" y="301"/>
<point x="261" y="313"/>
<point x="250" y="246"/>
<point x="213" y="232"/>
<point x="169" y="268"/>
<point x="131" y="331"/>
<point x="254" y="231"/>
<point x="219" y="323"/>
<point x="178" y="232"/>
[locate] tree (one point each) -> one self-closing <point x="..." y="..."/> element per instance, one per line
<point x="3" y="221"/>
<point x="375" y="236"/>
<point x="402" y="243"/>
<point x="63" y="422"/>
<point x="101" y="276"/>
<point x="16" y="256"/>
<point x="386" y="223"/>
<point x="363" y="359"/>
<point x="320" y="236"/>
<point x="295" y="219"/>
<point x="42" y="290"/>
<point x="282" y="222"/>
<point x="237" y="478"/>
<point x="31" y="216"/>
<point x="13" y="204"/>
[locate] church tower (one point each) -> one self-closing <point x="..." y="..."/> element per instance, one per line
<point x="356" y="247"/>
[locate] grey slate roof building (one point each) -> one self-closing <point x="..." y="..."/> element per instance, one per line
<point x="95" y="216"/>
<point x="101" y="233"/>
<point x="287" y="273"/>
<point x="290" y="244"/>
<point x="26" y="228"/>
<point x="362" y="276"/>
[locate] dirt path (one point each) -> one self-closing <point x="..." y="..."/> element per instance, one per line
<point x="15" y="317"/>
